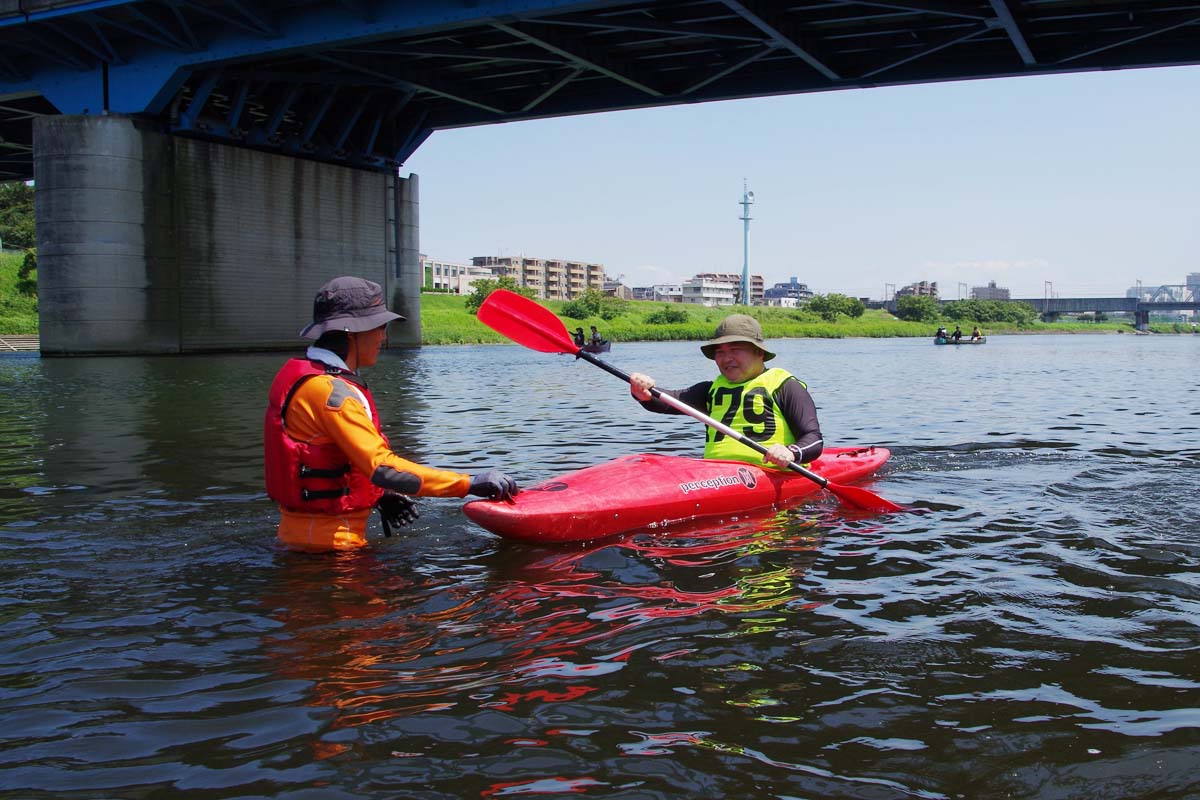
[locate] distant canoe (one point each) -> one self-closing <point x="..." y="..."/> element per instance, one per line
<point x="940" y="340"/>
<point x="603" y="347"/>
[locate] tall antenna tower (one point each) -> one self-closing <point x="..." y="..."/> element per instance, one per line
<point x="747" y="199"/>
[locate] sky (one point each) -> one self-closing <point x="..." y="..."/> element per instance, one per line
<point x="1069" y="185"/>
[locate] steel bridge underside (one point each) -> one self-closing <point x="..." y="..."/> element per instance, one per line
<point x="364" y="83"/>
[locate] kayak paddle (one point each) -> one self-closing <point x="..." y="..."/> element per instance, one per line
<point x="536" y="327"/>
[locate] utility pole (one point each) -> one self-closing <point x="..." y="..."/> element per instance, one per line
<point x="747" y="199"/>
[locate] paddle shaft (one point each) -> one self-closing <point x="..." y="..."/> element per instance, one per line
<point x="684" y="408"/>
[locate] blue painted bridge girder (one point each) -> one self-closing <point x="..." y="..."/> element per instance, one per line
<point x="365" y="82"/>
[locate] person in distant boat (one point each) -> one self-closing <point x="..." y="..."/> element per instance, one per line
<point x="769" y="406"/>
<point x="941" y="333"/>
<point x="957" y="333"/>
<point x="327" y="460"/>
<point x="976" y="335"/>
<point x="580" y="340"/>
<point x="596" y="336"/>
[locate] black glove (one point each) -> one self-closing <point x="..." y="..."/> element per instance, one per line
<point x="492" y="484"/>
<point x="396" y="510"/>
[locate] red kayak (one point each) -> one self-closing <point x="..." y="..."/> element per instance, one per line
<point x="652" y="491"/>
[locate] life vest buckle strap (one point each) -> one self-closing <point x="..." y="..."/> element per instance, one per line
<point x="323" y="494"/>
<point x="316" y="472"/>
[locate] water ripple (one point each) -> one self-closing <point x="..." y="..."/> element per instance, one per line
<point x="1032" y="632"/>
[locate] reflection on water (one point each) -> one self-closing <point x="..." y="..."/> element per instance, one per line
<point x="1032" y="633"/>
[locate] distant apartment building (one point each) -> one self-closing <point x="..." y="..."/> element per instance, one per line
<point x="781" y="302"/>
<point x="660" y="293"/>
<point x="551" y="278"/>
<point x="990" y="292"/>
<point x="919" y="289"/>
<point x="450" y="276"/>
<point x="735" y="279"/>
<point x="792" y="290"/>
<point x="618" y="290"/>
<point x="705" y="291"/>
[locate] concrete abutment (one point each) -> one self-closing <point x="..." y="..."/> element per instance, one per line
<point x="149" y="243"/>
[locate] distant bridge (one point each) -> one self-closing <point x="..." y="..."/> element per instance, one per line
<point x="1141" y="309"/>
<point x="1053" y="306"/>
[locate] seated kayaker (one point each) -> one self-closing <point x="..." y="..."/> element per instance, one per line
<point x="596" y="336"/>
<point x="770" y="406"/>
<point x="941" y="334"/>
<point x="327" y="460"/>
<point x="975" y="334"/>
<point x="580" y="341"/>
<point x="957" y="333"/>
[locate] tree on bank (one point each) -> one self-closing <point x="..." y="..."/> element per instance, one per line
<point x="829" y="306"/>
<point x="27" y="274"/>
<point x="990" y="311"/>
<point x="594" y="303"/>
<point x="917" y="308"/>
<point x="16" y="216"/>
<point x="485" y="286"/>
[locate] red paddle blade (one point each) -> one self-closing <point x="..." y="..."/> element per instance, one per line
<point x="526" y="323"/>
<point x="857" y="497"/>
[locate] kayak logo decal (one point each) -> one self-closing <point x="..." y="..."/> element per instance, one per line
<point x="743" y="477"/>
<point x="552" y="486"/>
<point x="748" y="479"/>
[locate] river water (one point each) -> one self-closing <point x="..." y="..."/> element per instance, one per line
<point x="1033" y="632"/>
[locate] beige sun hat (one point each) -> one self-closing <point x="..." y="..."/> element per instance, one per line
<point x="737" y="328"/>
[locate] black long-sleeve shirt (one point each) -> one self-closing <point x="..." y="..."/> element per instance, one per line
<point x="794" y="403"/>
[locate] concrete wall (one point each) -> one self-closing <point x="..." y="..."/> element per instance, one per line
<point x="107" y="274"/>
<point x="156" y="244"/>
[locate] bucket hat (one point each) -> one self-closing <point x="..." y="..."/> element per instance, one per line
<point x="348" y="304"/>
<point x="737" y="328"/>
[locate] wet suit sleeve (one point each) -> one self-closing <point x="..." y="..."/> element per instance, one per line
<point x="695" y="396"/>
<point x="327" y="409"/>
<point x="798" y="408"/>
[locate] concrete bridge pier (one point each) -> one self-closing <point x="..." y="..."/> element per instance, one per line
<point x="1141" y="319"/>
<point x="150" y="243"/>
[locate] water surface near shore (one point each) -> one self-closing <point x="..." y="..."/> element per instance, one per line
<point x="1033" y="633"/>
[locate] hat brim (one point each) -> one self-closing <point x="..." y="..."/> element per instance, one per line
<point x="350" y="324"/>
<point x="709" y="348"/>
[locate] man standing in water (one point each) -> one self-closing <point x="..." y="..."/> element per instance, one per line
<point x="769" y="406"/>
<point x="327" y="460"/>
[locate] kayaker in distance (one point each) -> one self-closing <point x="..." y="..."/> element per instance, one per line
<point x="770" y="406"/>
<point x="976" y="335"/>
<point x="957" y="334"/>
<point x="596" y="340"/>
<point x="327" y="460"/>
<point x="580" y="340"/>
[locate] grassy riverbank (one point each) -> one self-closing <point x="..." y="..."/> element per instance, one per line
<point x="18" y="311"/>
<point x="444" y="320"/>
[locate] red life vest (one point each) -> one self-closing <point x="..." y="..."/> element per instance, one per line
<point x="312" y="478"/>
